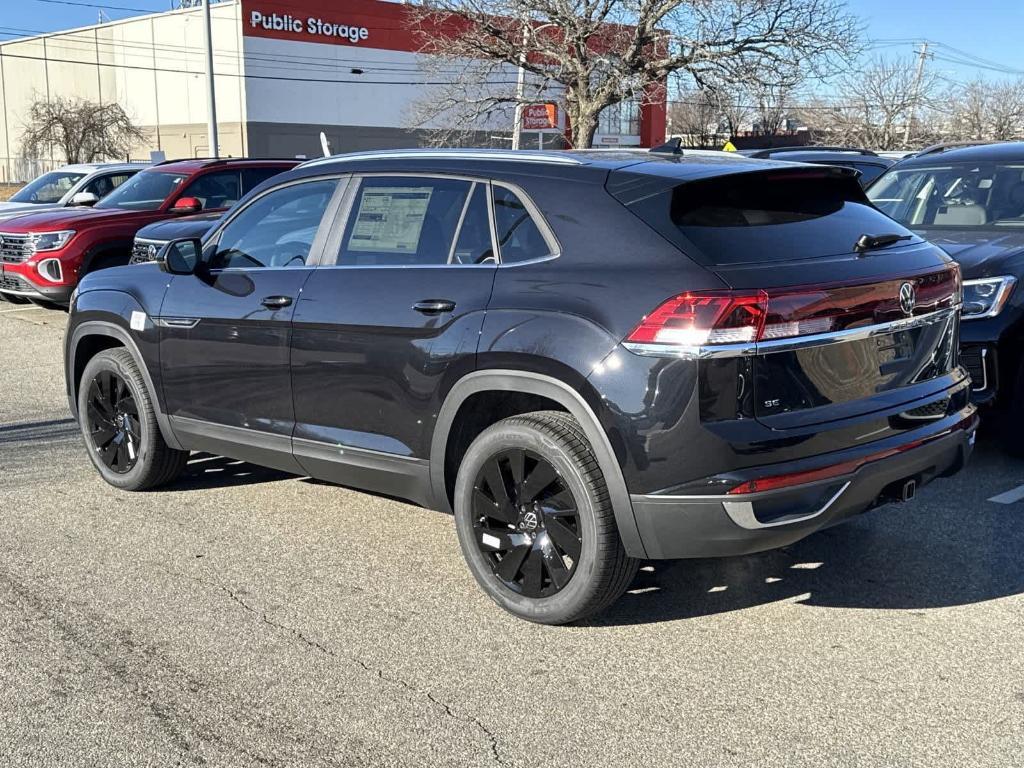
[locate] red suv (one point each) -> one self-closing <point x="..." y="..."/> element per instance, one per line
<point x="43" y="255"/>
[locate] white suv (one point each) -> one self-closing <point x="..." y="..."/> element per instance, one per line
<point x="83" y="184"/>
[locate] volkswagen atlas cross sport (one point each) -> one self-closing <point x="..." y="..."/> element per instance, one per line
<point x="43" y="255"/>
<point x="591" y="358"/>
<point x="969" y="200"/>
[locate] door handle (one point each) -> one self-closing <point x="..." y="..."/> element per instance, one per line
<point x="434" y="306"/>
<point x="276" y="302"/>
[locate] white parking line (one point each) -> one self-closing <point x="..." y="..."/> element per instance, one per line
<point x="19" y="309"/>
<point x="1010" y="496"/>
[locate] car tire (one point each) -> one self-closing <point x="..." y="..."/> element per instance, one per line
<point x="535" y="523"/>
<point x="117" y="417"/>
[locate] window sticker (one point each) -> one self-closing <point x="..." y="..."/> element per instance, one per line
<point x="390" y="219"/>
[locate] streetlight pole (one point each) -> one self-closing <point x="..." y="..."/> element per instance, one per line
<point x="211" y="103"/>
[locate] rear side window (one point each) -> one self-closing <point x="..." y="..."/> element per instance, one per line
<point x="103" y="185"/>
<point x="415" y="220"/>
<point x="221" y="189"/>
<point x="519" y="237"/>
<point x="761" y="217"/>
<point x="253" y="177"/>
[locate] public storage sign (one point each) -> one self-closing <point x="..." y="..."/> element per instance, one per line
<point x="310" y="26"/>
<point x="540" y="117"/>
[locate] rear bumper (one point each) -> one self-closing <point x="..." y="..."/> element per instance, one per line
<point x="724" y="525"/>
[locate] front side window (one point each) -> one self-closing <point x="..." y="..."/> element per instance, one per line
<point x="145" y="191"/>
<point x="221" y="189"/>
<point x="48" y="188"/>
<point x="276" y="230"/>
<point x="519" y="236"/>
<point x="960" y="195"/>
<point x="410" y="220"/>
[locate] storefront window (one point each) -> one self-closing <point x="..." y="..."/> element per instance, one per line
<point x="622" y="119"/>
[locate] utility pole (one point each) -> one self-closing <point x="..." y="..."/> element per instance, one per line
<point x="211" y="108"/>
<point x="922" y="54"/>
<point x="517" y="129"/>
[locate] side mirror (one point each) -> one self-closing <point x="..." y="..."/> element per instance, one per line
<point x="187" y="205"/>
<point x="84" y="198"/>
<point x="180" y="257"/>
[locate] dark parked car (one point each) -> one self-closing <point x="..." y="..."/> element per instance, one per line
<point x="870" y="164"/>
<point x="591" y="358"/>
<point x="152" y="237"/>
<point x="970" y="201"/>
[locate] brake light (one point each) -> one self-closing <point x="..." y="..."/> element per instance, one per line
<point x="694" y="319"/>
<point x="736" y="317"/>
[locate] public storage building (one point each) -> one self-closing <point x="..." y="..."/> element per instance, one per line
<point x="285" y="71"/>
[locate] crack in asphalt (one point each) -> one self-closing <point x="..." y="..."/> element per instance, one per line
<point x="376" y="671"/>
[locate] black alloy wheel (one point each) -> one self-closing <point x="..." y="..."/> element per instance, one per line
<point x="526" y="522"/>
<point x="113" y="422"/>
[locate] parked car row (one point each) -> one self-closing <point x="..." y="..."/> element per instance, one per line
<point x="589" y="358"/>
<point x="44" y="254"/>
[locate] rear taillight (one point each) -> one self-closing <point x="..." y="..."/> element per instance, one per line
<point x="724" y="317"/>
<point x="696" y="319"/>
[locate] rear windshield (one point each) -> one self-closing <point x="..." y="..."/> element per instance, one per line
<point x="764" y="216"/>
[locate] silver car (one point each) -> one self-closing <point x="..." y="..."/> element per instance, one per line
<point x="83" y="184"/>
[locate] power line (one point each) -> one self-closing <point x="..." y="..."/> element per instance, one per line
<point x="79" y="4"/>
<point x="246" y="75"/>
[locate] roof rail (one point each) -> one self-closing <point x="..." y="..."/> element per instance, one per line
<point x="943" y="146"/>
<point x="768" y="152"/>
<point x="521" y="155"/>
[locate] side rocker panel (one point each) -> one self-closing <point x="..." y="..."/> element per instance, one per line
<point x="572" y="401"/>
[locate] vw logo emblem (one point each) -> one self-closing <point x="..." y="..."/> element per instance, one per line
<point x="530" y="521"/>
<point x="908" y="298"/>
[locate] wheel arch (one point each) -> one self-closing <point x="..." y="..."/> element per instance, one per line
<point x="90" y="338"/>
<point x="550" y="389"/>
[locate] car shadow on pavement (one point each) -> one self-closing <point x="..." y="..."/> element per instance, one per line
<point x="204" y="471"/>
<point x="893" y="558"/>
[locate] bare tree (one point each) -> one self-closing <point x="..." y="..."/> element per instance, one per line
<point x="82" y="131"/>
<point x="987" y="111"/>
<point x="695" y="115"/>
<point x="876" y="103"/>
<point x="592" y="54"/>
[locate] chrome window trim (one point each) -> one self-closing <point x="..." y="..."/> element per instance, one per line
<point x="554" y="247"/>
<point x="336" y="239"/>
<point x="772" y="346"/>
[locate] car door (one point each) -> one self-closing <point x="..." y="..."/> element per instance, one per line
<point x="225" y="331"/>
<point x="378" y="334"/>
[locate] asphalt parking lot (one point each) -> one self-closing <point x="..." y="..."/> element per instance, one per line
<point x="246" y="617"/>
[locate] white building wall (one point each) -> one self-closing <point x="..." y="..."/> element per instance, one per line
<point x="153" y="66"/>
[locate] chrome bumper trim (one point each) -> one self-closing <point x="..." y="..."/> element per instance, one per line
<point x="788" y="345"/>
